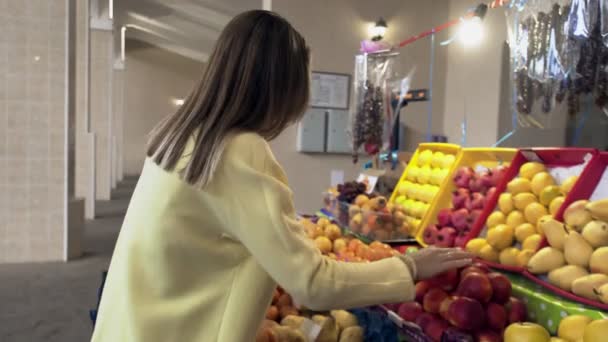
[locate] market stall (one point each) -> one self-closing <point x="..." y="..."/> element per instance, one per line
<point x="536" y="218"/>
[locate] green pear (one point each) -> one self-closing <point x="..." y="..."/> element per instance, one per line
<point x="577" y="250"/>
<point x="564" y="276"/>
<point x="585" y="286"/>
<point x="546" y="260"/>
<point x="596" y="233"/>
<point x="555" y="232"/>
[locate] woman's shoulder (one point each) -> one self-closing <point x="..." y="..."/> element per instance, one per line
<point x="246" y="143"/>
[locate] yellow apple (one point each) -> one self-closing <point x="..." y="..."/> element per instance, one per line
<point x="571" y="328"/>
<point x="596" y="331"/>
<point x="526" y="332"/>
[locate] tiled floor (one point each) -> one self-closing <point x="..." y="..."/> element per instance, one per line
<point x="50" y="301"/>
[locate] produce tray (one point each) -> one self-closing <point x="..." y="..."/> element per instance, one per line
<point x="473" y="157"/>
<point x="547" y="308"/>
<point x="585" y="188"/>
<point x="551" y="158"/>
<point x="435" y="147"/>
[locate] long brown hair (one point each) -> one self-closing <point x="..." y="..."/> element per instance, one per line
<point x="256" y="80"/>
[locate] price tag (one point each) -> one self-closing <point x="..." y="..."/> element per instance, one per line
<point x="369" y="181"/>
<point x="601" y="190"/>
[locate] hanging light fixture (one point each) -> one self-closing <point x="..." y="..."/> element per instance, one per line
<point x="378" y="30"/>
<point x="470" y="31"/>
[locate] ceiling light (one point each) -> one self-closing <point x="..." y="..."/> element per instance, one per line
<point x="378" y="29"/>
<point x="177" y="102"/>
<point x="470" y="31"/>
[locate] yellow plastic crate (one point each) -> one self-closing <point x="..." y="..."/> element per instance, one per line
<point x="434" y="147"/>
<point x="472" y="157"/>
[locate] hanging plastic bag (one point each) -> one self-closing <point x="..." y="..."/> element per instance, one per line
<point x="369" y="103"/>
<point x="396" y="92"/>
<point x="582" y="18"/>
<point x="604" y="21"/>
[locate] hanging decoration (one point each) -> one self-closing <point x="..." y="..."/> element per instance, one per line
<point x="559" y="53"/>
<point x="370" y="109"/>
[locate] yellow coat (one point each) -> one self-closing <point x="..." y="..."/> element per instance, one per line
<point x="201" y="265"/>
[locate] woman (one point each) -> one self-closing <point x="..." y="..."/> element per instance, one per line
<point x="211" y="227"/>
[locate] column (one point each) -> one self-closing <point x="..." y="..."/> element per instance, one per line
<point x="85" y="139"/>
<point x="118" y="113"/>
<point x="101" y="107"/>
<point x="34" y="130"/>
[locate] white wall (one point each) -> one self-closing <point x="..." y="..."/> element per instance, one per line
<point x="153" y="77"/>
<point x="334" y="29"/>
<point x="478" y="83"/>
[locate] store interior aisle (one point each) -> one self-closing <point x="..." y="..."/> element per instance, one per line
<point x="51" y="301"/>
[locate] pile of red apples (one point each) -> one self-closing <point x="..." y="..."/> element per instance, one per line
<point x="471" y="304"/>
<point x="468" y="200"/>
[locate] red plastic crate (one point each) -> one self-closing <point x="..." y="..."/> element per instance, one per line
<point x="583" y="189"/>
<point x="551" y="157"/>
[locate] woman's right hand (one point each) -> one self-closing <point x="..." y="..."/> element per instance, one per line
<point x="431" y="261"/>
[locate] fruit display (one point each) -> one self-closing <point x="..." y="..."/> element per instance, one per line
<point x="453" y="225"/>
<point x="582" y="328"/>
<point x="514" y="231"/>
<point x="329" y="239"/>
<point x="526" y="332"/>
<point x="576" y="256"/>
<point x="337" y="199"/>
<point x="285" y="323"/>
<point x="370" y="215"/>
<point x="473" y="302"/>
<point x="420" y="183"/>
<point x="377" y="219"/>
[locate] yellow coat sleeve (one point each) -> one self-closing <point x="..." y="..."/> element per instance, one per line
<point x="262" y="217"/>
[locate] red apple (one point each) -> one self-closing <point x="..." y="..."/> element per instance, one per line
<point x="447" y="280"/>
<point x="445" y="306"/>
<point x="485" y="268"/>
<point x="478" y="201"/>
<point x="460" y="219"/>
<point x="471" y="269"/>
<point x="423" y="320"/>
<point x="475" y="285"/>
<point x="430" y="234"/>
<point x="501" y="287"/>
<point x="485" y="179"/>
<point x="476" y="185"/>
<point x="463" y="176"/>
<point x="446" y="237"/>
<point x="422" y="287"/>
<point x="516" y="310"/>
<point x="435" y="328"/>
<point x="443" y="217"/>
<point x="459" y="198"/>
<point x="466" y="313"/>
<point x="409" y="311"/>
<point x="497" y="174"/>
<point x="496" y="315"/>
<point x="473" y="216"/>
<point x="461" y="240"/>
<point x="432" y="300"/>
<point x="488" y="336"/>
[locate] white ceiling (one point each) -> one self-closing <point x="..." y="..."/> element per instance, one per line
<point x="186" y="27"/>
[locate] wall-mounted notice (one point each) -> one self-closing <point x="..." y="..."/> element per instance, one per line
<point x="330" y="90"/>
